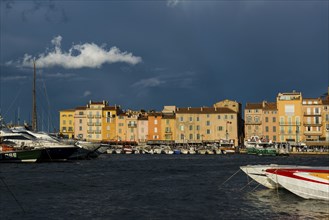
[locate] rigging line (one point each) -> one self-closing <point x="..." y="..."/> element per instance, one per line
<point x="229" y="178"/>
<point x="14" y="100"/>
<point x="246" y="185"/>
<point x="47" y="98"/>
<point x="13" y="195"/>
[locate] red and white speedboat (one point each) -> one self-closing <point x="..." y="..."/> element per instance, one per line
<point x="308" y="183"/>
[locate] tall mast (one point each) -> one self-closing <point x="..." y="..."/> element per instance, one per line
<point x="34" y="105"/>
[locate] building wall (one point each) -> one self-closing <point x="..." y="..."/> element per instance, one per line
<point x="201" y="125"/>
<point x="80" y="123"/>
<point x="270" y="124"/>
<point x="168" y="128"/>
<point x="312" y="120"/>
<point x="325" y="120"/>
<point x="253" y="122"/>
<point x="142" y="130"/>
<point x="109" y="124"/>
<point x="290" y="116"/>
<point x="66" y="123"/>
<point x="154" y="126"/>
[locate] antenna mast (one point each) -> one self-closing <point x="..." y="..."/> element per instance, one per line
<point x="34" y="106"/>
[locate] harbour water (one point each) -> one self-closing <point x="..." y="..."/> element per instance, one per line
<point x="151" y="187"/>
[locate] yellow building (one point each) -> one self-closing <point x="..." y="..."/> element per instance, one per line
<point x="206" y="124"/>
<point x="290" y="115"/>
<point x="325" y="120"/>
<point x="109" y="122"/>
<point x="80" y="123"/>
<point x="66" y="124"/>
<point x="261" y="120"/>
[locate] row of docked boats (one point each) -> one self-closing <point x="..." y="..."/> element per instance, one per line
<point x="263" y="147"/>
<point x="18" y="144"/>
<point x="305" y="181"/>
<point x="166" y="149"/>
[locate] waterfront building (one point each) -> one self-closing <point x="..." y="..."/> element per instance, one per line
<point x="325" y="121"/>
<point x="109" y="125"/>
<point x="290" y="115"/>
<point x="237" y="107"/>
<point x="206" y="124"/>
<point x="261" y="120"/>
<point x="154" y="126"/>
<point x="66" y="123"/>
<point x="80" y="123"/>
<point x="312" y="119"/>
<point x="142" y="128"/>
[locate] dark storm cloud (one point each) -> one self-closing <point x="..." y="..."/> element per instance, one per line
<point x="194" y="52"/>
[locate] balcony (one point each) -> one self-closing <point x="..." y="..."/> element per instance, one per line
<point x="312" y="133"/>
<point x="90" y="123"/>
<point x="253" y="122"/>
<point x="90" y="132"/>
<point x="312" y="124"/>
<point x="90" y="116"/>
<point x="132" y="125"/>
<point x="98" y="116"/>
<point x="98" y="124"/>
<point x="289" y="124"/>
<point x="311" y="114"/>
<point x="97" y="132"/>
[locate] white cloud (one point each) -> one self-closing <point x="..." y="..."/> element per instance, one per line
<point x="172" y="3"/>
<point x="59" y="75"/>
<point x="13" y="78"/>
<point x="87" y="55"/>
<point x="86" y="93"/>
<point x="150" y="82"/>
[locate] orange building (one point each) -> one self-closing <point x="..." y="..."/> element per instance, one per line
<point x="154" y="126"/>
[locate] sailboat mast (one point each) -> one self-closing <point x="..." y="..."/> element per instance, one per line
<point x="34" y="106"/>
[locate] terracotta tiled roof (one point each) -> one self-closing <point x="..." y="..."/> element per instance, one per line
<point x="254" y="106"/>
<point x="203" y="110"/>
<point x="168" y="116"/>
<point x="110" y="108"/>
<point x="325" y="102"/>
<point x="270" y="106"/>
<point x="155" y="114"/>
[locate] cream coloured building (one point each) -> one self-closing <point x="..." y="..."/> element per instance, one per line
<point x="206" y="124"/>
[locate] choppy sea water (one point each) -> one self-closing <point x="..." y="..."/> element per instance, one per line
<point x="151" y="187"/>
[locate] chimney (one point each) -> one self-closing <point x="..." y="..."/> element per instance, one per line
<point x="201" y="108"/>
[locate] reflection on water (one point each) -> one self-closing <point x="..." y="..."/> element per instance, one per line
<point x="287" y="205"/>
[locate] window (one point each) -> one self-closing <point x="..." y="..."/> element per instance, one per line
<point x="256" y="119"/>
<point x="167" y="121"/>
<point x="182" y="136"/>
<point x="208" y="123"/>
<point x="225" y="116"/>
<point x="232" y="116"/>
<point x="198" y="136"/>
<point x="266" y="128"/>
<point x="191" y="119"/>
<point x="198" y="127"/>
<point x="108" y="127"/>
<point x="80" y="121"/>
<point x="181" y="127"/>
<point x="70" y="122"/>
<point x="220" y="128"/>
<point x="249" y="119"/>
<point x="155" y="130"/>
<point x="266" y="119"/>
<point x="191" y="136"/>
<point x="155" y="121"/>
<point x="208" y="115"/>
<point x="274" y="129"/>
<point x="80" y="113"/>
<point x="218" y="116"/>
<point x="80" y="128"/>
<point x="181" y="118"/>
<point x="274" y="119"/>
<point x="197" y="118"/>
<point x="191" y="127"/>
<point x="64" y="122"/>
<point x="208" y="131"/>
<point x="274" y="137"/>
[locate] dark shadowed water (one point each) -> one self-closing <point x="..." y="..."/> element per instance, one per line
<point x="151" y="187"/>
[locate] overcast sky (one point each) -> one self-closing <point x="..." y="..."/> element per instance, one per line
<point x="147" y="54"/>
